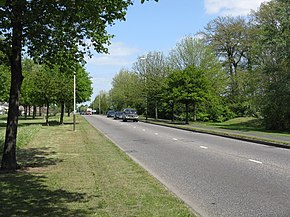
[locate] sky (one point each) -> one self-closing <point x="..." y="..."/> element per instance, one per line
<point x="156" y="26"/>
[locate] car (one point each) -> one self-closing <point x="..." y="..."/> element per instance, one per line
<point x="110" y="113"/>
<point x="118" y="115"/>
<point x="130" y="114"/>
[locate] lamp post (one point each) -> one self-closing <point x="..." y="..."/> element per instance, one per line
<point x="144" y="58"/>
<point x="74" y="113"/>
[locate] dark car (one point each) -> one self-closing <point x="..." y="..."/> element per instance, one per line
<point x="118" y="115"/>
<point x="130" y="114"/>
<point x="111" y="113"/>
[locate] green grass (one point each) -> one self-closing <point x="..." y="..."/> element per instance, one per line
<point x="242" y="123"/>
<point x="66" y="173"/>
<point x="26" y="130"/>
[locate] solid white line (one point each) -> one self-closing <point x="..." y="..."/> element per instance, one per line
<point x="174" y="139"/>
<point x="255" y="161"/>
<point x="204" y="147"/>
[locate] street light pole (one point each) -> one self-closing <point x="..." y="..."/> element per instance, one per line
<point x="74" y="113"/>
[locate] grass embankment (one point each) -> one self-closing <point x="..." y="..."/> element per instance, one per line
<point x="244" y="128"/>
<point x="66" y="173"/>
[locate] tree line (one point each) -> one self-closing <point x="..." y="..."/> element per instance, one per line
<point x="46" y="86"/>
<point x="236" y="66"/>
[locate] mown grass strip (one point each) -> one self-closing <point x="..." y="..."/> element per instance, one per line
<point x="81" y="173"/>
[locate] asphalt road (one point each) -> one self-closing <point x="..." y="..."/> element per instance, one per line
<point x="215" y="176"/>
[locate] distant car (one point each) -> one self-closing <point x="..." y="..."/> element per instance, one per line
<point x="111" y="113"/>
<point x="118" y="115"/>
<point x="130" y="114"/>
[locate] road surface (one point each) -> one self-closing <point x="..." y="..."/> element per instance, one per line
<point x="215" y="176"/>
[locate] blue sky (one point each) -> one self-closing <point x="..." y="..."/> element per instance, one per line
<point x="157" y="26"/>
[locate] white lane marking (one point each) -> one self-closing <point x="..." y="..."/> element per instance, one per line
<point x="255" y="161"/>
<point x="144" y="130"/>
<point x="204" y="147"/>
<point x="134" y="127"/>
<point x="156" y="134"/>
<point x="174" y="139"/>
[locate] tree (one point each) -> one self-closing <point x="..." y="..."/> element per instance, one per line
<point x="273" y="44"/>
<point x="188" y="86"/>
<point x="64" y="87"/>
<point x="102" y="102"/>
<point x="152" y="70"/>
<point x="231" y="38"/>
<point x="199" y="61"/>
<point x="46" y="29"/>
<point x="125" y="90"/>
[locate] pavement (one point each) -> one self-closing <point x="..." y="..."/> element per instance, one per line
<point x="281" y="140"/>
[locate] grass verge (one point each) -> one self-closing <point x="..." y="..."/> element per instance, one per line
<point x="247" y="129"/>
<point x="81" y="173"/>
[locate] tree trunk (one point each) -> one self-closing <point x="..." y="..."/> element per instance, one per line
<point x="68" y="112"/>
<point x="29" y="110"/>
<point x="186" y="111"/>
<point x="156" y="110"/>
<point x="34" y="112"/>
<point x="25" y="112"/>
<point x="40" y="110"/>
<point x="9" y="152"/>
<point x="172" y="112"/>
<point x="47" y="114"/>
<point x="61" y="113"/>
<point x="194" y="111"/>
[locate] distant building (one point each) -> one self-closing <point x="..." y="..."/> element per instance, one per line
<point x="3" y="108"/>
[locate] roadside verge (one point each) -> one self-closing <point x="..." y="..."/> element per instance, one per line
<point x="225" y="133"/>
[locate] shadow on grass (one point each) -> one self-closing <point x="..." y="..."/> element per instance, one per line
<point x="36" y="157"/>
<point x="25" y="194"/>
<point x="57" y="123"/>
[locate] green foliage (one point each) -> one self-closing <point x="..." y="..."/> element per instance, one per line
<point x="54" y="28"/>
<point x="231" y="38"/>
<point x="188" y="86"/>
<point x="53" y="84"/>
<point x="4" y="83"/>
<point x="126" y="91"/>
<point x="151" y="71"/>
<point x="198" y="78"/>
<point x="102" y="103"/>
<point x="273" y="20"/>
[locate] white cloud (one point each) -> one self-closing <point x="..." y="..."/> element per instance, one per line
<point x="231" y="7"/>
<point x="119" y="55"/>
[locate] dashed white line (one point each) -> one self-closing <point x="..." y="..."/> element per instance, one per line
<point x="144" y="130"/>
<point x="203" y="147"/>
<point x="174" y="139"/>
<point x="156" y="134"/>
<point x="255" y="161"/>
